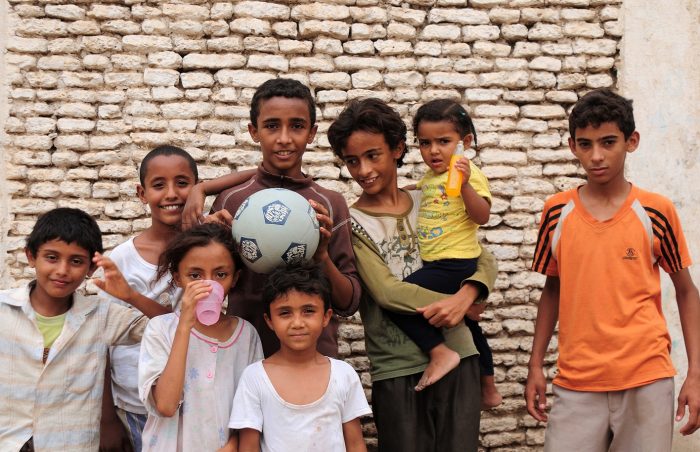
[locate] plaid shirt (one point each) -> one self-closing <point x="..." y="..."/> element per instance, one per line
<point x="58" y="403"/>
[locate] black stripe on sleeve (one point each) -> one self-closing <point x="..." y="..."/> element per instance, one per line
<point x="548" y="225"/>
<point x="664" y="232"/>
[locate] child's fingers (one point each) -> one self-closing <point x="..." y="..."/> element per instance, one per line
<point x="680" y="411"/>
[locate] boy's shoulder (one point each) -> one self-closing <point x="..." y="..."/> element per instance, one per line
<point x="652" y="199"/>
<point x="17" y="296"/>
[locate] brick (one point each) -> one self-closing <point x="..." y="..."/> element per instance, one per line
<point x="261" y="10"/>
<point x="213" y="61"/>
<point x="320" y="11"/>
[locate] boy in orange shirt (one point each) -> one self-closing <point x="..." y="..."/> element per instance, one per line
<point x="601" y="246"/>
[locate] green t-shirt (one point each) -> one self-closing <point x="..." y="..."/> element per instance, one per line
<point x="50" y="327"/>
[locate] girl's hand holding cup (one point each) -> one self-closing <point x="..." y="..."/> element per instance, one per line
<point x="194" y="292"/>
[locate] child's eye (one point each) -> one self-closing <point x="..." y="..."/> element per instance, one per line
<point x="50" y="257"/>
<point x="183" y="183"/>
<point x="373" y="156"/>
<point x="77" y="261"/>
<point x="221" y="275"/>
<point x="445" y="141"/>
<point x="194" y="275"/>
<point x="351" y="161"/>
<point x="423" y="143"/>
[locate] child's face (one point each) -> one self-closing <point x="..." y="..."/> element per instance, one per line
<point x="437" y="142"/>
<point x="298" y="319"/>
<point x="283" y="131"/>
<point x="168" y="181"/>
<point x="371" y="163"/>
<point x="60" y="269"/>
<point x="212" y="262"/>
<point x="602" y="151"/>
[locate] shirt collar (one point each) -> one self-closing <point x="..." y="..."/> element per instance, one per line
<point x="270" y="180"/>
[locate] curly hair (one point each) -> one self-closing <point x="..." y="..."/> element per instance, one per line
<point x="305" y="277"/>
<point x="599" y="106"/>
<point x="445" y="110"/>
<point x="368" y="115"/>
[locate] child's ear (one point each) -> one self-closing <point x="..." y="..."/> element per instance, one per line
<point x="467" y="140"/>
<point x="176" y="279"/>
<point x="312" y="134"/>
<point x="633" y="142"/>
<point x="140" y="192"/>
<point x="268" y="321"/>
<point x="572" y="146"/>
<point x="400" y="149"/>
<point x="253" y="131"/>
<point x="327" y="317"/>
<point x="30" y="257"/>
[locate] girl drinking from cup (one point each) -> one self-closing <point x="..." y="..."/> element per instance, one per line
<point x="191" y="360"/>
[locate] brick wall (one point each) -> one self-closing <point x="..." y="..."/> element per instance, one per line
<point x="93" y="85"/>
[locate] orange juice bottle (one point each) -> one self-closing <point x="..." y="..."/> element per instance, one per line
<point x="453" y="187"/>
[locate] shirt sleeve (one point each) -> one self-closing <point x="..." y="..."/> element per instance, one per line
<point x="340" y="251"/>
<point x="479" y="182"/>
<point x="544" y="261"/>
<point x="124" y="326"/>
<point x="669" y="241"/>
<point x="247" y="403"/>
<point x="393" y="294"/>
<point x="155" y="350"/>
<point x="355" y="400"/>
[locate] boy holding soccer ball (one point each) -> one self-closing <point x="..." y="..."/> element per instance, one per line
<point x="283" y="122"/>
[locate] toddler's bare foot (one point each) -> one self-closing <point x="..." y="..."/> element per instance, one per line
<point x="490" y="397"/>
<point x="442" y="360"/>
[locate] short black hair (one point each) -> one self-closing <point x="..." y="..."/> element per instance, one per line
<point x="445" y="110"/>
<point x="368" y="115"/>
<point x="68" y="225"/>
<point x="281" y="87"/>
<point x="599" y="106"/>
<point x="305" y="277"/>
<point x="166" y="150"/>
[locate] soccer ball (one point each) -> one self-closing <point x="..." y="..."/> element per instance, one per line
<point x="274" y="227"/>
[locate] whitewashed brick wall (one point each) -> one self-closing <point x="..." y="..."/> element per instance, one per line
<point x="93" y="85"/>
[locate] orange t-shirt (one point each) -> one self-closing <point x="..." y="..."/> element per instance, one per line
<point x="612" y="331"/>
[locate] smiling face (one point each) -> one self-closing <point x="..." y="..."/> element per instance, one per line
<point x="60" y="269"/>
<point x="371" y="163"/>
<point x="168" y="181"/>
<point x="283" y="131"/>
<point x="298" y="319"/>
<point x="212" y="261"/>
<point x="602" y="151"/>
<point x="437" y="142"/>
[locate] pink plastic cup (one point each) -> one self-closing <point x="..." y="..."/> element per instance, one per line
<point x="208" y="309"/>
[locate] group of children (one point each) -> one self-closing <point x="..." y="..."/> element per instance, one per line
<point x="265" y="376"/>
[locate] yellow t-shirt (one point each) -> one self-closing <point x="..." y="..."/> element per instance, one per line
<point x="445" y="230"/>
<point x="50" y="327"/>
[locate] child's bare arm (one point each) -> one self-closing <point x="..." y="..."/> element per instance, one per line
<point x="478" y="207"/>
<point x="689" y="311"/>
<point x="352" y="434"/>
<point x="194" y="206"/>
<point x="547" y="315"/>
<point x="248" y="440"/>
<point x="115" y="285"/>
<point x="167" y="392"/>
<point x="232" y="443"/>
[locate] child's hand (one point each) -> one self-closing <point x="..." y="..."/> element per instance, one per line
<point x="690" y="396"/>
<point x="535" y="394"/>
<point x="475" y="310"/>
<point x="194" y="206"/>
<point x="222" y="217"/>
<point x="326" y="226"/>
<point x="462" y="165"/>
<point x="113" y="282"/>
<point x="194" y="291"/>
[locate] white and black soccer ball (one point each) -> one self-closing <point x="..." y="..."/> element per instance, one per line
<point x="274" y="227"/>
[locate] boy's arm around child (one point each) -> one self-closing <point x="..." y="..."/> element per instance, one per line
<point x="393" y="294"/>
